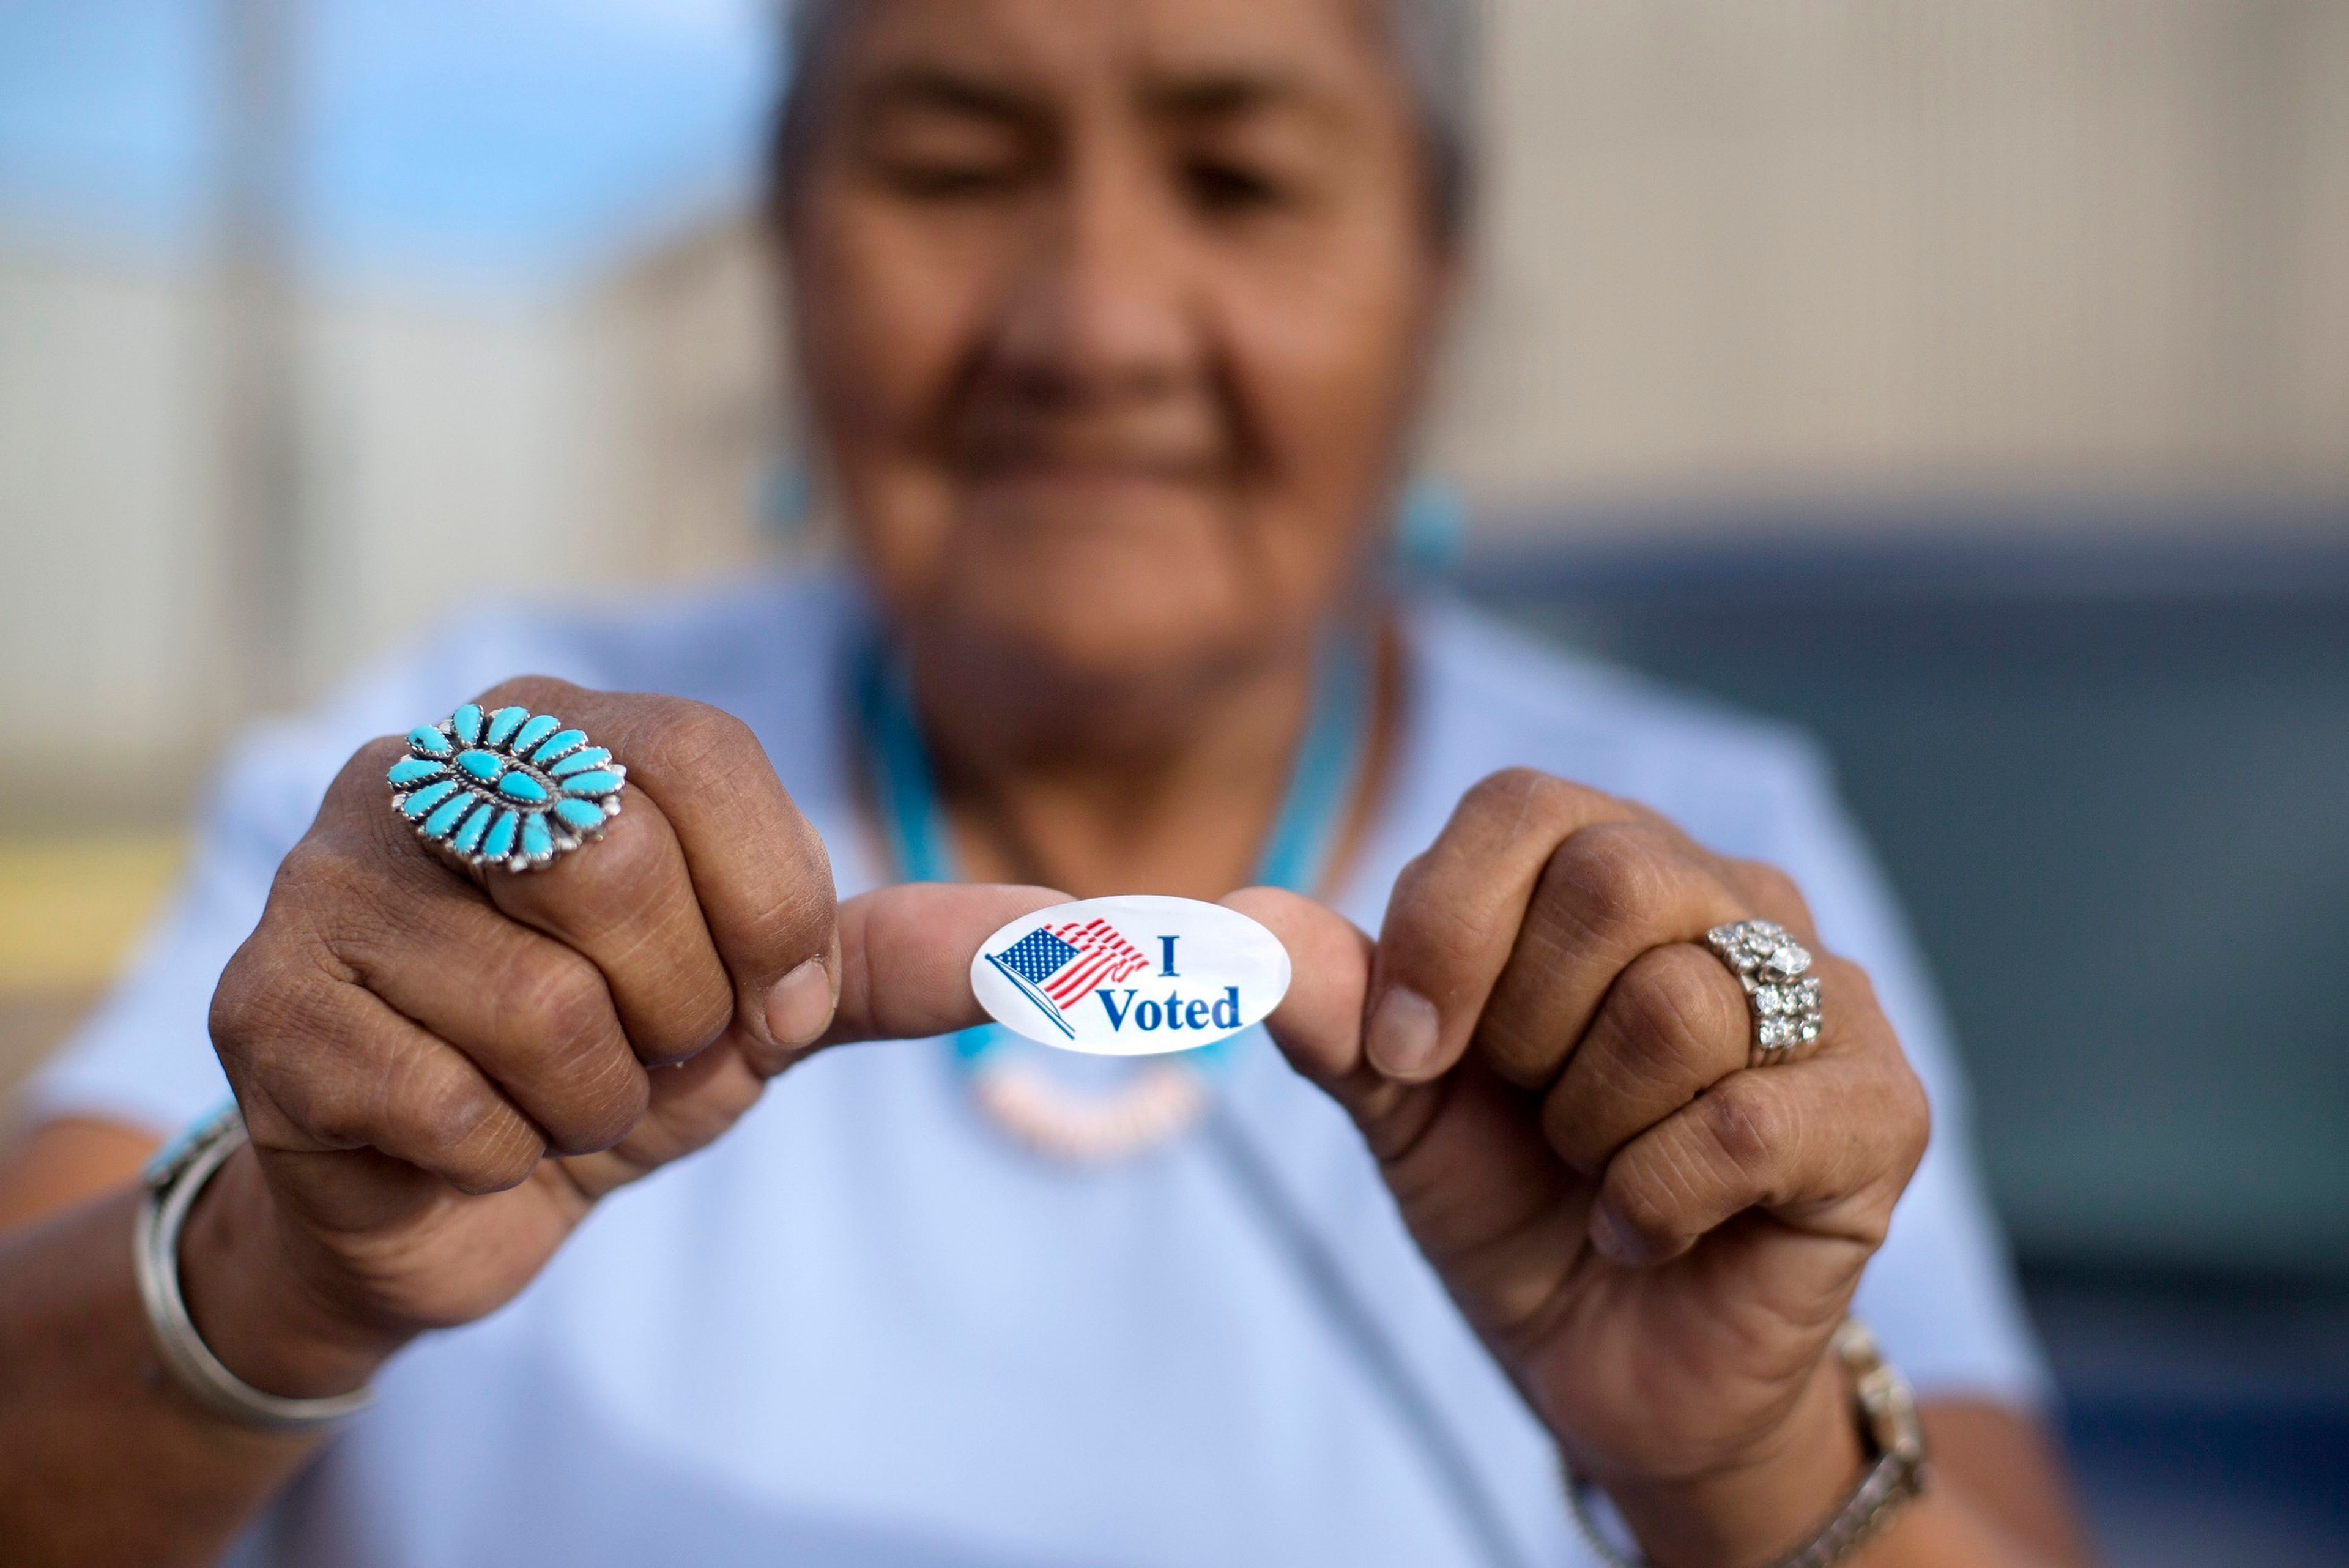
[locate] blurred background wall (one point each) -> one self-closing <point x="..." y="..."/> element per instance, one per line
<point x="1809" y="251"/>
<point x="1969" y="382"/>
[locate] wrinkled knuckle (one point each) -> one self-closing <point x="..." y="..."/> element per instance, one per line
<point x="796" y="926"/>
<point x="1543" y="801"/>
<point x="498" y="1160"/>
<point x="444" y="1111"/>
<point x="361" y="775"/>
<point x="1645" y="1208"/>
<point x="1748" y="1123"/>
<point x="603" y="1106"/>
<point x="237" y="1001"/>
<point x="268" y="993"/>
<point x="558" y="1008"/>
<point x="475" y="1141"/>
<point x="1413" y="887"/>
<point x="1438" y="935"/>
<point x="695" y="735"/>
<point x="1774" y="891"/>
<point x="312" y="862"/>
<point x="289" y="1050"/>
<point x="698" y="1015"/>
<point x="237" y="1023"/>
<point x="336" y="885"/>
<point x="322" y="882"/>
<point x="267" y="1122"/>
<point x="636" y="855"/>
<point x="674" y="1009"/>
<point x="1509" y="791"/>
<point x="326" y="1105"/>
<point x="1669" y="1009"/>
<point x="539" y="693"/>
<point x="1612" y="875"/>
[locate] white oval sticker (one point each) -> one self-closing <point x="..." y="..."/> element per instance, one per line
<point x="1132" y="976"/>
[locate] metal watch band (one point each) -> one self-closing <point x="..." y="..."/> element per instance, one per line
<point x="1888" y="1419"/>
<point x="174" y="1180"/>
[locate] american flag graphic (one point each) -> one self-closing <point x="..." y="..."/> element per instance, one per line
<point x="1056" y="967"/>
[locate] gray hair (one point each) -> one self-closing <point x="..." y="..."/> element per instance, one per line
<point x="1437" y="42"/>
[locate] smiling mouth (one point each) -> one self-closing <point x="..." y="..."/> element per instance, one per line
<point x="1095" y="475"/>
<point x="1161" y="449"/>
<point x="1091" y="463"/>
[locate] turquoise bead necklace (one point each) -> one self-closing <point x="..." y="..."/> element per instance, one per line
<point x="1167" y="1095"/>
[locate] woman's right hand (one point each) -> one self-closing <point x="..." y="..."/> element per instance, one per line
<point x="443" y="1072"/>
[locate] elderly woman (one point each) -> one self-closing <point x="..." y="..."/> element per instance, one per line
<point x="1526" y="1238"/>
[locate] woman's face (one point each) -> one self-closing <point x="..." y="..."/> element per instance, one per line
<point x="1111" y="315"/>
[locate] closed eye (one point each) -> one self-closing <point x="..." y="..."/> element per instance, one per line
<point x="948" y="179"/>
<point x="1226" y="188"/>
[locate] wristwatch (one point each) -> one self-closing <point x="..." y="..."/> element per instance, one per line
<point x="172" y="1179"/>
<point x="1886" y="1409"/>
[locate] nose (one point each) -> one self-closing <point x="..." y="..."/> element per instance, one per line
<point x="1099" y="311"/>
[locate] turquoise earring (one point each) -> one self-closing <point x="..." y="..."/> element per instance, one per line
<point x="786" y="503"/>
<point x="1431" y="520"/>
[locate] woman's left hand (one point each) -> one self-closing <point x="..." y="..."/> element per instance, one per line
<point x="1656" y="1240"/>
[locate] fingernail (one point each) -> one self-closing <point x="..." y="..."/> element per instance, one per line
<point x="798" y="1005"/>
<point x="1401" y="1037"/>
<point x="1614" y="1238"/>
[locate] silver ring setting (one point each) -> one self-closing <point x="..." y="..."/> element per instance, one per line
<point x="1774" y="970"/>
<point x="508" y="789"/>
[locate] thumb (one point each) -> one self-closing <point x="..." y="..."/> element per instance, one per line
<point x="905" y="954"/>
<point x="1319" y="1024"/>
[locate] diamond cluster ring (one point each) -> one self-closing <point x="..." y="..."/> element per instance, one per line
<point x="1772" y="966"/>
<point x="506" y="788"/>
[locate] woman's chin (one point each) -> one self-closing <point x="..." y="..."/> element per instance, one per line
<point x="1108" y="603"/>
<point x="1104" y="633"/>
<point x="1106" y="630"/>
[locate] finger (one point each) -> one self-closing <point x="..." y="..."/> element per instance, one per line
<point x="689" y="1105"/>
<point x="334" y="1068"/>
<point x="535" y="1016"/>
<point x="1473" y="1182"/>
<point x="1772" y="895"/>
<point x="1674" y="1023"/>
<point x="904" y="963"/>
<point x="905" y="954"/>
<point x="626" y="904"/>
<point x="758" y="872"/>
<point x="1823" y="1146"/>
<point x="1453" y="917"/>
<point x="1318" y="1023"/>
<point x="1607" y="894"/>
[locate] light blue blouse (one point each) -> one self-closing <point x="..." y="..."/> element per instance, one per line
<point x="865" y="1328"/>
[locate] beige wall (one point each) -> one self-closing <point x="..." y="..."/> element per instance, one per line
<point x="107" y="533"/>
<point x="449" y="452"/>
<point x="696" y="335"/>
<point x="1895" y="244"/>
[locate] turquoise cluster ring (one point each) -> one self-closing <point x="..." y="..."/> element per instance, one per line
<point x="507" y="788"/>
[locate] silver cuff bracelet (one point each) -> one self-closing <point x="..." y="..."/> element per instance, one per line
<point x="173" y="1180"/>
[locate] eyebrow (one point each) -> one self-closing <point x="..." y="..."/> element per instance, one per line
<point x="935" y="88"/>
<point x="1221" y="93"/>
<point x="1227" y="93"/>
